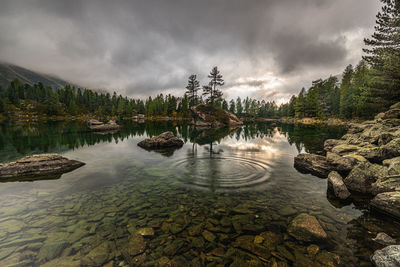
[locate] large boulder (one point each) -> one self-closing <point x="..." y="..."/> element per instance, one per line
<point x="387" y="257"/>
<point x="392" y="148"/>
<point x="363" y="176"/>
<point x="388" y="203"/>
<point x="314" y="164"/>
<point x="345" y="149"/>
<point x="37" y="165"/>
<point x="386" y="184"/>
<point x="336" y="184"/>
<point x="163" y="140"/>
<point x="392" y="114"/>
<point x="331" y="143"/>
<point x="341" y="164"/>
<point x="306" y="228"/>
<point x="393" y="165"/>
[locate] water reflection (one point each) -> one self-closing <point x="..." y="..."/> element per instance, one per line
<point x="16" y="141"/>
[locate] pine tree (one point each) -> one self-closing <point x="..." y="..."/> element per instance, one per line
<point x="299" y="106"/>
<point x="211" y="89"/>
<point x="191" y="90"/>
<point x="232" y="108"/>
<point x="239" y="107"/>
<point x="383" y="55"/>
<point x="346" y="93"/>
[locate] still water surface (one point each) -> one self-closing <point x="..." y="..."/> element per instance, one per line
<point x="225" y="198"/>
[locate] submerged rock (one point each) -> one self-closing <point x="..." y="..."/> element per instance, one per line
<point x="37" y="165"/>
<point x="166" y="139"/>
<point x="388" y="203"/>
<point x="306" y="228"/>
<point x="336" y="184"/>
<point x="52" y="250"/>
<point x="315" y="164"/>
<point x="384" y="239"/>
<point x="387" y="257"/>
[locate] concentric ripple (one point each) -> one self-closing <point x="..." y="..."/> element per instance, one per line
<point x="220" y="172"/>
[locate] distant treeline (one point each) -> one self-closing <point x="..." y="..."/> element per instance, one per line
<point x="372" y="86"/>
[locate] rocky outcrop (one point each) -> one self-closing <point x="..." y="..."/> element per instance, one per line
<point x="110" y="126"/>
<point x="388" y="202"/>
<point x="164" y="140"/>
<point x="368" y="159"/>
<point x="387" y="257"/>
<point x="336" y="184"/>
<point x="206" y="116"/>
<point x="315" y="164"/>
<point x="37" y="165"/>
<point x="306" y="228"/>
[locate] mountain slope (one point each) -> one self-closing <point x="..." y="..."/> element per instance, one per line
<point x="9" y="72"/>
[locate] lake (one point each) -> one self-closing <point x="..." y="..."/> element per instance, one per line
<point x="225" y="198"/>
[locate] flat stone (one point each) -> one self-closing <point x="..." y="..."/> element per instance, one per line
<point x="208" y="236"/>
<point x="247" y="242"/>
<point x="146" y="231"/>
<point x="52" y="250"/>
<point x="136" y="245"/>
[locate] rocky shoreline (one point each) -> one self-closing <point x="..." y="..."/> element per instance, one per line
<point x="364" y="161"/>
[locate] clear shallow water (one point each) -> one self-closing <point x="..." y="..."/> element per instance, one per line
<point x="199" y="200"/>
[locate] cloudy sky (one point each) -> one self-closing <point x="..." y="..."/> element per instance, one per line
<point x="267" y="49"/>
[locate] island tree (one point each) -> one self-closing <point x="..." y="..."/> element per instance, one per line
<point x="191" y="90"/>
<point x="211" y="90"/>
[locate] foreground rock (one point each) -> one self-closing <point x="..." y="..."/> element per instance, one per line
<point x="97" y="126"/>
<point x="336" y="184"/>
<point x="384" y="239"/>
<point x="207" y="116"/>
<point x="163" y="140"/>
<point x="306" y="228"/>
<point x="315" y="164"/>
<point x="37" y="165"/>
<point x="388" y="203"/>
<point x="387" y="257"/>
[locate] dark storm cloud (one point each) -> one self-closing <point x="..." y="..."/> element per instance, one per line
<point x="145" y="47"/>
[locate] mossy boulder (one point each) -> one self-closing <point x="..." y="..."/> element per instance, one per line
<point x="388" y="203"/>
<point x="363" y="176"/>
